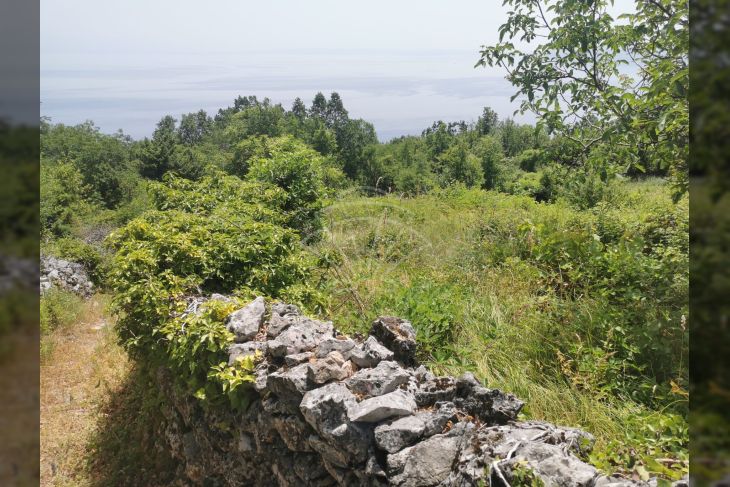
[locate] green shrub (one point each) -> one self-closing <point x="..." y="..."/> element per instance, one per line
<point x="59" y="308"/>
<point x="78" y="251"/>
<point x="216" y="235"/>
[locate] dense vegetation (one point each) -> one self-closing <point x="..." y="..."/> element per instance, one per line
<point x="551" y="260"/>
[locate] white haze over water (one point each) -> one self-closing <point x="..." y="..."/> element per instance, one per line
<point x="401" y="93"/>
<point x="400" y="65"/>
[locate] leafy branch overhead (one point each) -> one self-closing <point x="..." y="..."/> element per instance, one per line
<point x="599" y="79"/>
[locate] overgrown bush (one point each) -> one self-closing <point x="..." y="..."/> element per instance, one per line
<point x="216" y="235"/>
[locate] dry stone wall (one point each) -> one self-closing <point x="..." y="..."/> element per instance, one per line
<point x="64" y="274"/>
<point x="331" y="410"/>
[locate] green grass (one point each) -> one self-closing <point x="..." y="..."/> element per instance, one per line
<point x="503" y="286"/>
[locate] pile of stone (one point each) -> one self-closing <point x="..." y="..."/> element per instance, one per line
<point x="330" y="410"/>
<point x="66" y="275"/>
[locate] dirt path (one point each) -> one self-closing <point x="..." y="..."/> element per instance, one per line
<point x="82" y="369"/>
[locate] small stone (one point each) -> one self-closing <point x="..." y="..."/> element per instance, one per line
<point x="297" y="358"/>
<point x="398" y="335"/>
<point x="245" y="322"/>
<point x="335" y="345"/>
<point x="375" y="409"/>
<point x="329" y="368"/>
<point x="370" y="353"/>
<point x="400" y="433"/>
<point x="302" y="337"/>
<point x="384" y="378"/>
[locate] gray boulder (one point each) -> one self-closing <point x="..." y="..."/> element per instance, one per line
<point x="398" y="335"/>
<point x="302" y="337"/>
<point x="370" y="353"/>
<point x="375" y="409"/>
<point x="245" y="322"/>
<point x="386" y="377"/>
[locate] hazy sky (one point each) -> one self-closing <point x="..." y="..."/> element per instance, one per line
<point x="400" y="64"/>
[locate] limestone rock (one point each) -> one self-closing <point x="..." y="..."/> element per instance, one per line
<point x="297" y="358"/>
<point x="301" y="337"/>
<point x="396" y="403"/>
<point x="332" y="367"/>
<point x="290" y="385"/>
<point x="282" y="317"/>
<point x="400" y="433"/>
<point x="245" y="322"/>
<point x="386" y="377"/>
<point x="342" y="345"/>
<point x="398" y="335"/>
<point x="370" y="353"/>
<point x="429" y="462"/>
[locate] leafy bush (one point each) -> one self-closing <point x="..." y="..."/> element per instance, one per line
<point x="216" y="235"/>
<point x="299" y="172"/>
<point x="87" y="255"/>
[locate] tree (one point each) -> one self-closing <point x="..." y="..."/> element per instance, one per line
<point x="626" y="80"/>
<point x="336" y="114"/>
<point x="299" y="110"/>
<point x="487" y="122"/>
<point x="194" y="127"/>
<point x="489" y="151"/>
<point x="157" y="155"/>
<point x="319" y="107"/>
<point x="458" y="165"/>
<point x="356" y="141"/>
<point x="439" y="137"/>
<point x="260" y="119"/>
<point x="101" y="159"/>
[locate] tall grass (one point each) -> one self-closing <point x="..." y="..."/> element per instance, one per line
<point x="517" y="292"/>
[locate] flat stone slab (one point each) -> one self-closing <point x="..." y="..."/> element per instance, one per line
<point x="375" y="409"/>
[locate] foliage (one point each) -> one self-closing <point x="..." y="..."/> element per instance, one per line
<point x="59" y="308"/>
<point x="299" y="171"/>
<point x="581" y="311"/>
<point x="101" y="160"/>
<point x="570" y="70"/>
<point x="216" y="235"/>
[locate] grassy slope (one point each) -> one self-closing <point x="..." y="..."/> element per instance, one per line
<point x="497" y="317"/>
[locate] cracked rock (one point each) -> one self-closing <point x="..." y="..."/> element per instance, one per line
<point x="302" y="337"/>
<point x="245" y="322"/>
<point x="375" y="409"/>
<point x="386" y="377"/>
<point x="370" y="353"/>
<point x="398" y="335"/>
